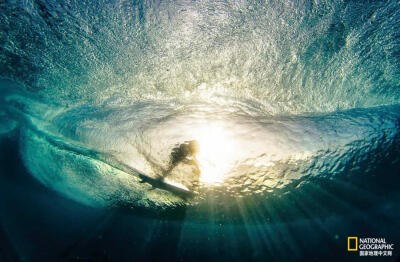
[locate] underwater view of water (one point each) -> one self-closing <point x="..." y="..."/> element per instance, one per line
<point x="198" y="130"/>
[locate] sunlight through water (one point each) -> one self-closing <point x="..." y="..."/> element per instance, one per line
<point x="216" y="153"/>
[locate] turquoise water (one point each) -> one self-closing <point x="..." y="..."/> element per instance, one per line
<point x="294" y="107"/>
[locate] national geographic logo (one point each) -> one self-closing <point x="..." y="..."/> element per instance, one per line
<point x="368" y="246"/>
<point x="352" y="244"/>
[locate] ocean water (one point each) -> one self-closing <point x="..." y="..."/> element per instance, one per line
<point x="198" y="130"/>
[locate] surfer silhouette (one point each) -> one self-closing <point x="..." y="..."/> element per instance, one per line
<point x="184" y="154"/>
<point x="183" y="167"/>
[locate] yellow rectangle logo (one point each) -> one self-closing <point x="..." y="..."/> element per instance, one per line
<point x="352" y="243"/>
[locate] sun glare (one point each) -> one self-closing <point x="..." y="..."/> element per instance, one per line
<point x="215" y="155"/>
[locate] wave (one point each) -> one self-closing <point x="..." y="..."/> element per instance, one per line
<point x="113" y="95"/>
